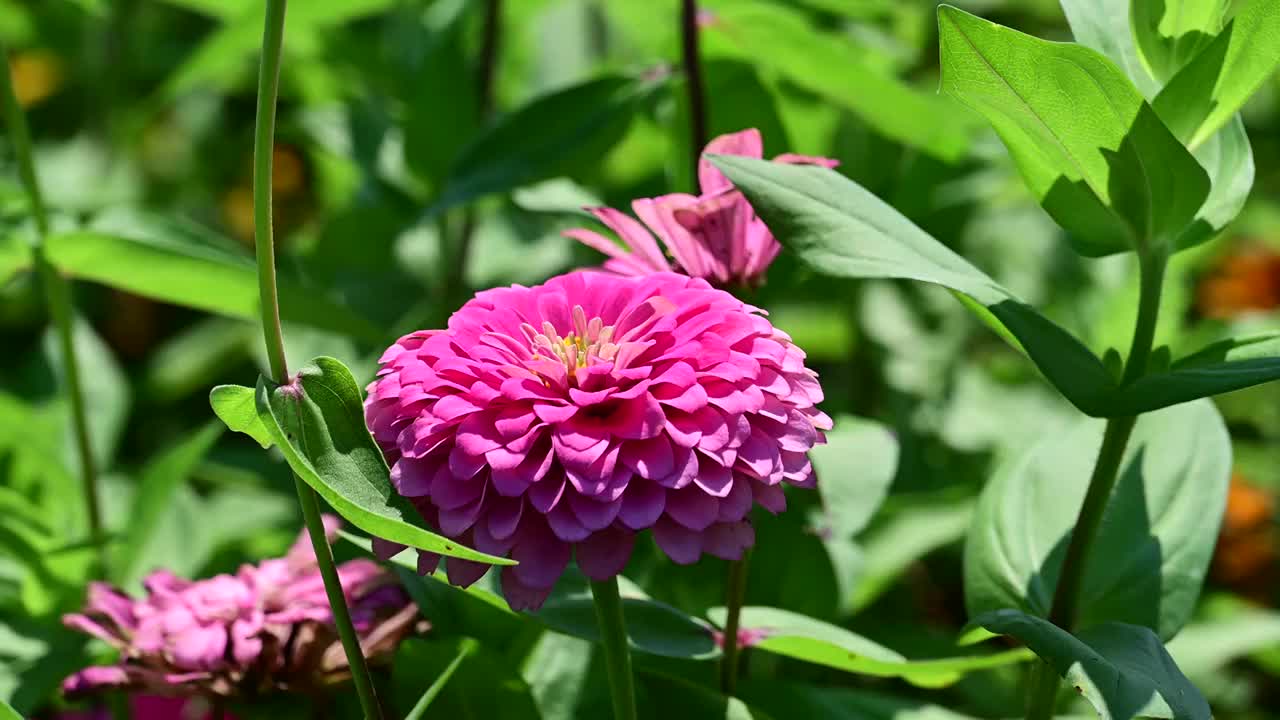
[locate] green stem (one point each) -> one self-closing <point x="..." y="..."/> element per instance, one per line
<point x="735" y="593"/>
<point x="613" y="635"/>
<point x="58" y="297"/>
<point x="337" y="601"/>
<point x="1106" y="470"/>
<point x="263" y="144"/>
<point x="692" y="64"/>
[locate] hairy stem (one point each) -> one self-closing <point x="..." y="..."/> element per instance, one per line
<point x="735" y="593"/>
<point x="58" y="296"/>
<point x="1106" y="470"/>
<point x="693" y="82"/>
<point x="617" y="654"/>
<point x="263" y="145"/>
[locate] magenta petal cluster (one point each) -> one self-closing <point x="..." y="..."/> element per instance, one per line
<point x="715" y="235"/>
<point x="560" y="420"/>
<point x="268" y="626"/>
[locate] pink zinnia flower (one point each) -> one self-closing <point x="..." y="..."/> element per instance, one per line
<point x="715" y="235"/>
<point x="268" y="626"/>
<point x="563" y="418"/>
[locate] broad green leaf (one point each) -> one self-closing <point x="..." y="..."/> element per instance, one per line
<point x="1205" y="95"/>
<point x="237" y="408"/>
<point x="202" y="277"/>
<point x="1223" y="367"/>
<point x="854" y="471"/>
<point x="804" y="638"/>
<point x="1227" y="157"/>
<point x="15" y="257"/>
<point x="1119" y="182"/>
<point x="1104" y="26"/>
<point x="1172" y="32"/>
<point x="159" y="480"/>
<point x="795" y="700"/>
<point x="552" y="135"/>
<point x="567" y="678"/>
<point x="1156" y="536"/>
<point x="1122" y="670"/>
<point x="778" y="39"/>
<point x="317" y="421"/>
<point x="652" y="627"/>
<point x="841" y="230"/>
<point x="673" y="698"/>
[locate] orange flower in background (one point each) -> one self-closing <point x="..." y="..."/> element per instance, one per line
<point x="1246" y="555"/>
<point x="36" y="74"/>
<point x="1247" y="281"/>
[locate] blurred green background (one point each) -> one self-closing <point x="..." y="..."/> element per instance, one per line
<point x="394" y="152"/>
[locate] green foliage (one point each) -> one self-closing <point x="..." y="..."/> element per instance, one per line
<point x="1121" y="182"/>
<point x="1156" y="536"/>
<point x="317" y="421"/>
<point x="1122" y="670"/>
<point x="1172" y="32"/>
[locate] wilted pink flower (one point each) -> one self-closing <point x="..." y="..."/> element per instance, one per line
<point x="715" y="235"/>
<point x="563" y="418"/>
<point x="268" y="626"/>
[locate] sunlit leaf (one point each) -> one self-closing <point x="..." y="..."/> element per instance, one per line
<point x="1172" y="32"/>
<point x="237" y="408"/>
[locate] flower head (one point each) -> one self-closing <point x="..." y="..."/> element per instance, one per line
<point x="562" y="419"/>
<point x="267" y="626"/>
<point x="715" y="235"/>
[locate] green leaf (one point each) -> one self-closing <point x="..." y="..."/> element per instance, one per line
<point x="1104" y="26"/>
<point x="652" y="627"/>
<point x="484" y="685"/>
<point x="1156" y="536"/>
<point x="1206" y="94"/>
<point x="466" y="647"/>
<point x="890" y="546"/>
<point x="1223" y="367"/>
<point x="105" y="391"/>
<point x="1119" y="182"/>
<point x="237" y="407"/>
<point x="854" y="471"/>
<point x="1228" y="158"/>
<point x="1172" y="32"/>
<point x="552" y="135"/>
<point x="158" y="482"/>
<point x="773" y="37"/>
<point x="677" y="699"/>
<point x="566" y="676"/>
<point x="7" y="712"/>
<point x="804" y="638"/>
<point x="1205" y="647"/>
<point x="1122" y="670"/>
<point x="203" y="277"/>
<point x="841" y="230"/>
<point x="795" y="700"/>
<point x="317" y="421"/>
<point x="15" y="257"/>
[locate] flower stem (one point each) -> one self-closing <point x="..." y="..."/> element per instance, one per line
<point x="1106" y="470"/>
<point x="263" y="146"/>
<point x="613" y="635"/>
<point x="735" y="592"/>
<point x="692" y="65"/>
<point x="58" y="296"/>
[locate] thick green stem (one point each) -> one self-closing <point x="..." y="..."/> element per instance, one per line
<point x="617" y="655"/>
<point x="1106" y="470"/>
<point x="263" y="145"/>
<point x="337" y="601"/>
<point x="735" y="593"/>
<point x="58" y="296"/>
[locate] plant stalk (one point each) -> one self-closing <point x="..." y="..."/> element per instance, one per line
<point x="58" y="296"/>
<point x="263" y="146"/>
<point x="692" y="64"/>
<point x="613" y="636"/>
<point x="735" y="593"/>
<point x="1106" y="470"/>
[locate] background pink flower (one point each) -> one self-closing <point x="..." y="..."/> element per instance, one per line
<point x="561" y="419"/>
<point x="715" y="235"/>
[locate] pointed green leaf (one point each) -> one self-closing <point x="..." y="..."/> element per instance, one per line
<point x="1122" y="670"/>
<point x="1172" y="32"/>
<point x="1119" y="182"/>
<point x="317" y="421"/>
<point x="1156" y="536"/>
<point x="841" y="230"/>
<point x="1207" y="93"/>
<point x="237" y="408"/>
<point x="1223" y="367"/>
<point x="1104" y="26"/>
<point x="804" y="638"/>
